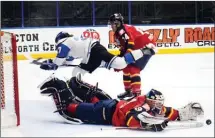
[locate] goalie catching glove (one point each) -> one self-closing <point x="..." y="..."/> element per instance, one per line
<point x="191" y="111"/>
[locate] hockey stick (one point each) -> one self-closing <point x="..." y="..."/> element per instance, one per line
<point x="121" y="128"/>
<point x="33" y="61"/>
<point x="38" y="62"/>
<point x="171" y="124"/>
<point x="69" y="65"/>
<point x="185" y="125"/>
<point x="178" y="125"/>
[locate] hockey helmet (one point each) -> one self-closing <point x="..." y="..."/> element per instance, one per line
<point x="62" y="35"/>
<point x="117" y="19"/>
<point x="155" y="99"/>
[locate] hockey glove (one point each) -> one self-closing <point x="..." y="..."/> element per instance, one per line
<point x="191" y="111"/>
<point x="70" y="58"/>
<point x="159" y="127"/>
<point x="150" y="123"/>
<point x="147" y="51"/>
<point x="48" y="65"/>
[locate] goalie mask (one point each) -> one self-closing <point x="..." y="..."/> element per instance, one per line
<point x="155" y="100"/>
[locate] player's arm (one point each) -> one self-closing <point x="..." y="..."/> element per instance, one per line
<point x="129" y="42"/>
<point x="146" y="40"/>
<point x="131" y="38"/>
<point x="129" y="46"/>
<point x="138" y="117"/>
<point x="149" y="38"/>
<point x="62" y="53"/>
<point x="189" y="112"/>
<point x="170" y="113"/>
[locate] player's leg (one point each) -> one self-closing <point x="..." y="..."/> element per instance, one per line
<point x="98" y="54"/>
<point x="87" y="92"/>
<point x="62" y="96"/>
<point x="127" y="84"/>
<point x="98" y="113"/>
<point x="135" y="80"/>
<point x="72" y="109"/>
<point x="55" y="85"/>
<point x="142" y="62"/>
<point x="81" y="90"/>
<point x="134" y="71"/>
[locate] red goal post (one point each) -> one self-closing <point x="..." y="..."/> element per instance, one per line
<point x="10" y="112"/>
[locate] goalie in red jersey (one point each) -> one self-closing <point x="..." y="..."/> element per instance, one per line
<point x="131" y="38"/>
<point x="79" y="102"/>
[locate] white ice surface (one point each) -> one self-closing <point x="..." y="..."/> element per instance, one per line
<point x="181" y="78"/>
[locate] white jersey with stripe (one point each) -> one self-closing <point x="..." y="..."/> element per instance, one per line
<point x="75" y="47"/>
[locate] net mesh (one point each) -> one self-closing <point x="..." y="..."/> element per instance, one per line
<point x="8" y="81"/>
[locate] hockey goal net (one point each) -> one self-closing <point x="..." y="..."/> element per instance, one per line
<point x="9" y="81"/>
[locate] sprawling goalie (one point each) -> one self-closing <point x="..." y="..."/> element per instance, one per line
<point x="79" y="102"/>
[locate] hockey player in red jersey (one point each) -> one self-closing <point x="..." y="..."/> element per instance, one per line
<point x="131" y="38"/>
<point x="80" y="102"/>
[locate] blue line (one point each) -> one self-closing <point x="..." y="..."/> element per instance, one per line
<point x="22" y="6"/>
<point x="129" y="12"/>
<point x="93" y="12"/>
<point x="57" y="12"/>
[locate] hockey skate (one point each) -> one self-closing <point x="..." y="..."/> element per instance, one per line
<point x="127" y="95"/>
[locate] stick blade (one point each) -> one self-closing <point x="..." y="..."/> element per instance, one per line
<point x="36" y="61"/>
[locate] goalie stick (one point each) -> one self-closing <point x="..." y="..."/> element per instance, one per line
<point x="171" y="126"/>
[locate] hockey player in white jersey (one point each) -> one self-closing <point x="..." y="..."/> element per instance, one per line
<point x="93" y="54"/>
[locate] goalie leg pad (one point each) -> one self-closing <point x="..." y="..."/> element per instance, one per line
<point x="52" y="85"/>
<point x="86" y="91"/>
<point x="61" y="109"/>
<point x="62" y="96"/>
<point x="55" y="85"/>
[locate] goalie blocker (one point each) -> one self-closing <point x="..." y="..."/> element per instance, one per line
<point x="80" y="102"/>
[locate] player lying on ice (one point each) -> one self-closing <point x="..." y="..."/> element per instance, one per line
<point x="80" y="102"/>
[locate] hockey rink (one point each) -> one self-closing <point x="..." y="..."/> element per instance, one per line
<point x="181" y="78"/>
